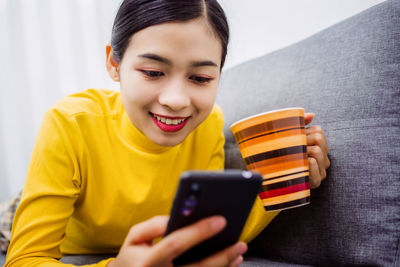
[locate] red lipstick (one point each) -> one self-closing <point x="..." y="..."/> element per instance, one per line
<point x="169" y="127"/>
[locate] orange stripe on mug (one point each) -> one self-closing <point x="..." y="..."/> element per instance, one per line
<point x="286" y="178"/>
<point x="272" y="175"/>
<point x="266" y="137"/>
<point x="280" y="167"/>
<point x="286" y="198"/>
<point x="274" y="143"/>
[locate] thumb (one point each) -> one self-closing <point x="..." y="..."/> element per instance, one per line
<point x="308" y="117"/>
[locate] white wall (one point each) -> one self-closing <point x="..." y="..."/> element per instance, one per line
<point x="262" y="26"/>
<point x="52" y="48"/>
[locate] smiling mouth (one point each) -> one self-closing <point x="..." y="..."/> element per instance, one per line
<point x="169" y="124"/>
<point x="169" y="121"/>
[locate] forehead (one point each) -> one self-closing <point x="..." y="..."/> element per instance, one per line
<point x="191" y="40"/>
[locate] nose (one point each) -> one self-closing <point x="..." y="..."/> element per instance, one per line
<point x="175" y="95"/>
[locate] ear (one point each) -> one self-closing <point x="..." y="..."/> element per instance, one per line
<point x="111" y="64"/>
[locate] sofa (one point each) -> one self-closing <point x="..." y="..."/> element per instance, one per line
<point x="349" y="76"/>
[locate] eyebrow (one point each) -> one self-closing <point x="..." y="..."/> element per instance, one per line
<point x="168" y="62"/>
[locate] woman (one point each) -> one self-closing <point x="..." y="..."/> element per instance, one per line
<point x="105" y="161"/>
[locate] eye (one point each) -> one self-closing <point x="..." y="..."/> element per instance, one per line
<point x="152" y="73"/>
<point x="200" y="79"/>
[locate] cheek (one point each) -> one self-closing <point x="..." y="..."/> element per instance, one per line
<point x="135" y="92"/>
<point x="204" y="100"/>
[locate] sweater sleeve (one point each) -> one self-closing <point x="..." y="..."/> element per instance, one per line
<point x="256" y="222"/>
<point x="52" y="187"/>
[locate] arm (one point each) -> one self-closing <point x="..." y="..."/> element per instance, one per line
<point x="51" y="189"/>
<point x="317" y="149"/>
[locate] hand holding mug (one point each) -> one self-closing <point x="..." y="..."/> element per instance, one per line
<point x="290" y="157"/>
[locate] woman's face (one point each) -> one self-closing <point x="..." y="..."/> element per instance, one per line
<point x="169" y="76"/>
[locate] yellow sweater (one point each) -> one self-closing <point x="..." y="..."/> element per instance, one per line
<point x="93" y="175"/>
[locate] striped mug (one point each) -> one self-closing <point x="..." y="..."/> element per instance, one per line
<point x="274" y="144"/>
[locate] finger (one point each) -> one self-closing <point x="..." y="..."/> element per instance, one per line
<point x="317" y="153"/>
<point x="308" y="118"/>
<point x="318" y="139"/>
<point x="315" y="176"/>
<point x="146" y="231"/>
<point x="181" y="240"/>
<point x="315" y="129"/>
<point x="226" y="257"/>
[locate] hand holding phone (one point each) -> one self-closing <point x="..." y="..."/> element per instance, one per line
<point x="138" y="248"/>
<point x="204" y="194"/>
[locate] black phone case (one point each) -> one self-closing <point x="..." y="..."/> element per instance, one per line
<point x="203" y="194"/>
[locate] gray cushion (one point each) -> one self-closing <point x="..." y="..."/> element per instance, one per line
<point x="85" y="259"/>
<point x="349" y="75"/>
<point x="90" y="259"/>
<point x="259" y="262"/>
<point x="249" y="262"/>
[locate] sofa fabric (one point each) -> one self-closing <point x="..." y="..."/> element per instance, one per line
<point x="349" y="76"/>
<point x="249" y="262"/>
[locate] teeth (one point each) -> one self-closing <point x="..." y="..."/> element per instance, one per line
<point x="169" y="121"/>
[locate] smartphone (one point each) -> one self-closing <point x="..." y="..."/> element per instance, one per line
<point x="203" y="194"/>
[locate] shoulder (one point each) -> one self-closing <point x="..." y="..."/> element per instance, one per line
<point x="76" y="114"/>
<point x="90" y="101"/>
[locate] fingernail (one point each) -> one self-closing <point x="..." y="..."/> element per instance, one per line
<point x="241" y="248"/>
<point x="218" y="223"/>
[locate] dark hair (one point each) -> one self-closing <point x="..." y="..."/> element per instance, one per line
<point x="135" y="15"/>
